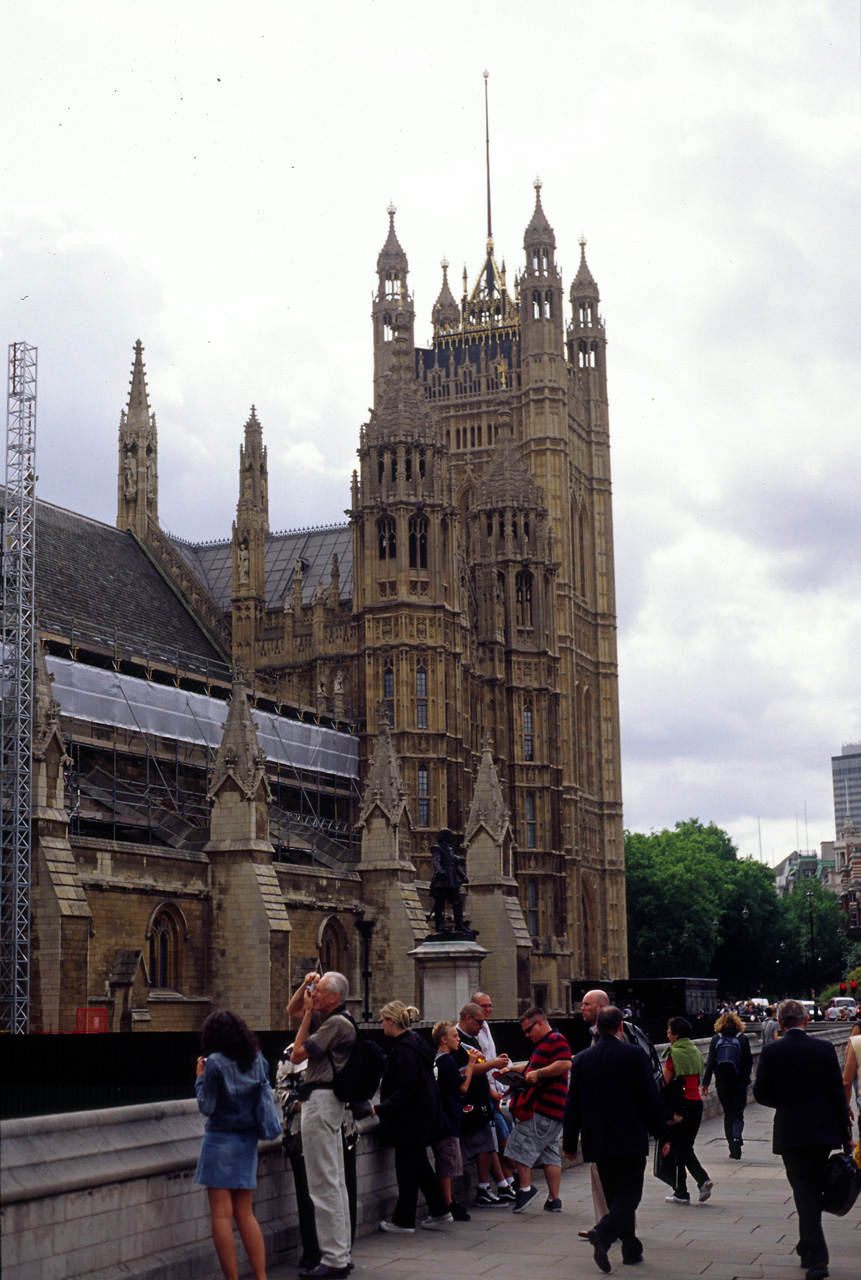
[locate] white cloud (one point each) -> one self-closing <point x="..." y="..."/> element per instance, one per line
<point x="218" y="188"/>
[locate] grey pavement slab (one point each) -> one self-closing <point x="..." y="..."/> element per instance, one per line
<point x="746" y="1231"/>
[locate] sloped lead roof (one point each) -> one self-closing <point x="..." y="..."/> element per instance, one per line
<point x="98" y="579"/>
<point x="213" y="563"/>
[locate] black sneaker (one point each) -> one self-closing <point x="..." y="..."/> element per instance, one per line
<point x="524" y="1198"/>
<point x="458" y="1212"/>
<point x="506" y="1194"/>
<point x="483" y="1197"/>
<point x="553" y="1206"/>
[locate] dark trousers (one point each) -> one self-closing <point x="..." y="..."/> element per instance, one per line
<point x="805" y="1170"/>
<point x="682" y="1137"/>
<point x="733" y="1098"/>
<point x="414" y="1174"/>
<point x="622" y="1180"/>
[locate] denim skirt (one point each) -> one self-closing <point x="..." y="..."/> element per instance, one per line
<point x="228" y="1158"/>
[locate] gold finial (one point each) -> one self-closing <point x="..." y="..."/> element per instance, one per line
<point x="538" y="184"/>
<point x="582" y="244"/>
<point x="444" y="264"/>
<point x="391" y="211"/>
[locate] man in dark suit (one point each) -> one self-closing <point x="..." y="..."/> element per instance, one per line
<point x="614" y="1104"/>
<point x="800" y="1077"/>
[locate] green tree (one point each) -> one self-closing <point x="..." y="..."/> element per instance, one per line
<point x="817" y="917"/>
<point x="676" y="883"/>
<point x="696" y="908"/>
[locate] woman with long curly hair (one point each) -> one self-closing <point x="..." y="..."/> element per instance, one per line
<point x="229" y="1073"/>
<point x="731" y="1062"/>
<point x="409" y="1111"/>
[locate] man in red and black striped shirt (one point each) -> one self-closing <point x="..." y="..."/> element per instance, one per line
<point x="535" y="1141"/>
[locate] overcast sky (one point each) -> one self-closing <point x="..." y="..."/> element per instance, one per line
<point x="213" y="179"/>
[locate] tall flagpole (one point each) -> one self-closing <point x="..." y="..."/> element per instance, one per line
<point x="487" y="150"/>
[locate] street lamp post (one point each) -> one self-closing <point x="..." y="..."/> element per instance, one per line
<point x="812" y="947"/>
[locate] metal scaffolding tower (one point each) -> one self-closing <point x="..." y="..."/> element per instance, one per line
<point x="17" y="639"/>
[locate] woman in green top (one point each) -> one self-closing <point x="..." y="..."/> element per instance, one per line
<point x="684" y="1064"/>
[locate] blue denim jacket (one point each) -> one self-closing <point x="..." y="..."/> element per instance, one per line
<point x="226" y="1095"/>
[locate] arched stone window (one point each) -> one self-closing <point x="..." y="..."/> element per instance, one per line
<point x="421" y="696"/>
<point x="524" y="599"/>
<point x="424" y="795"/>
<point x="418" y="544"/>
<point x="530" y="821"/>
<point x="532" y="908"/>
<point x="389" y="691"/>
<point x="332" y="942"/>
<point x="386" y="537"/>
<point x="528" y="736"/>
<point x="166" y="934"/>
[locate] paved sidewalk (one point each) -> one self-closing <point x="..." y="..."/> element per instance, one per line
<point x="747" y="1230"/>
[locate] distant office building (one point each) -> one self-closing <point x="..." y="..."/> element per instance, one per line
<point x="846" y="776"/>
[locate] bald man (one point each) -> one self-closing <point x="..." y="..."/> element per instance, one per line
<point x="590" y="1006"/>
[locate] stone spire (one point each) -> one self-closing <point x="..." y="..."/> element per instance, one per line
<point x="391" y="258"/>
<point x="137" y="490"/>
<point x="488" y="808"/>
<point x="254" y="474"/>
<point x="249" y="546"/>
<point x="584" y="281"/>
<point x="239" y="757"/>
<point x="391" y="299"/>
<point x="46" y="714"/>
<point x="539" y="230"/>
<point x="446" y="312"/>
<point x="385" y="790"/>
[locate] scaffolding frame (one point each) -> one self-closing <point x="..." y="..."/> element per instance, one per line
<point x="17" y="632"/>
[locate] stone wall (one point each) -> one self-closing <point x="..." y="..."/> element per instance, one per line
<point x="87" y="1193"/>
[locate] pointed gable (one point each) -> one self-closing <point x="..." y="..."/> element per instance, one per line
<point x="239" y="756"/>
<point x="488" y="807"/>
<point x="385" y="789"/>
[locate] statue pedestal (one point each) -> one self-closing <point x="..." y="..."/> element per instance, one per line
<point x="448" y="973"/>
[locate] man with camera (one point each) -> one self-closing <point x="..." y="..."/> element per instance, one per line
<point x="324" y="1040"/>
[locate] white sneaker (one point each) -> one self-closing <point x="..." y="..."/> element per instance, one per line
<point x="434" y="1224"/>
<point x="670" y="1200"/>
<point x="706" y="1189"/>
<point x="396" y="1230"/>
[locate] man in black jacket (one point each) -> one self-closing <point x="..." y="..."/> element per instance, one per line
<point x="800" y="1077"/>
<point x="613" y="1102"/>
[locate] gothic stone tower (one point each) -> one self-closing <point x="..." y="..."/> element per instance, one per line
<point x="484" y="589"/>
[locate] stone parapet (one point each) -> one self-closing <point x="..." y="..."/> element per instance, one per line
<point x="111" y="1192"/>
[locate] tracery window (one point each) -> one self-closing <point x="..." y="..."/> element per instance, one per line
<point x="333" y="945"/>
<point x="421" y="696"/>
<point x="528" y="739"/>
<point x="532" y="908"/>
<point x="424" y="796"/>
<point x="530" y="821"/>
<point x="166" y="935"/>
<point x="524" y="599"/>
<point x="418" y="542"/>
<point x="386" y="537"/>
<point x="389" y="692"/>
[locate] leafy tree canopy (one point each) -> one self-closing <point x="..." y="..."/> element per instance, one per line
<point x="695" y="908"/>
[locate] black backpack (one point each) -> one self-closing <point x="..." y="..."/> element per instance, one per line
<point x="359" y="1078"/>
<point x="636" y="1035"/>
<point x="728" y="1053"/>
